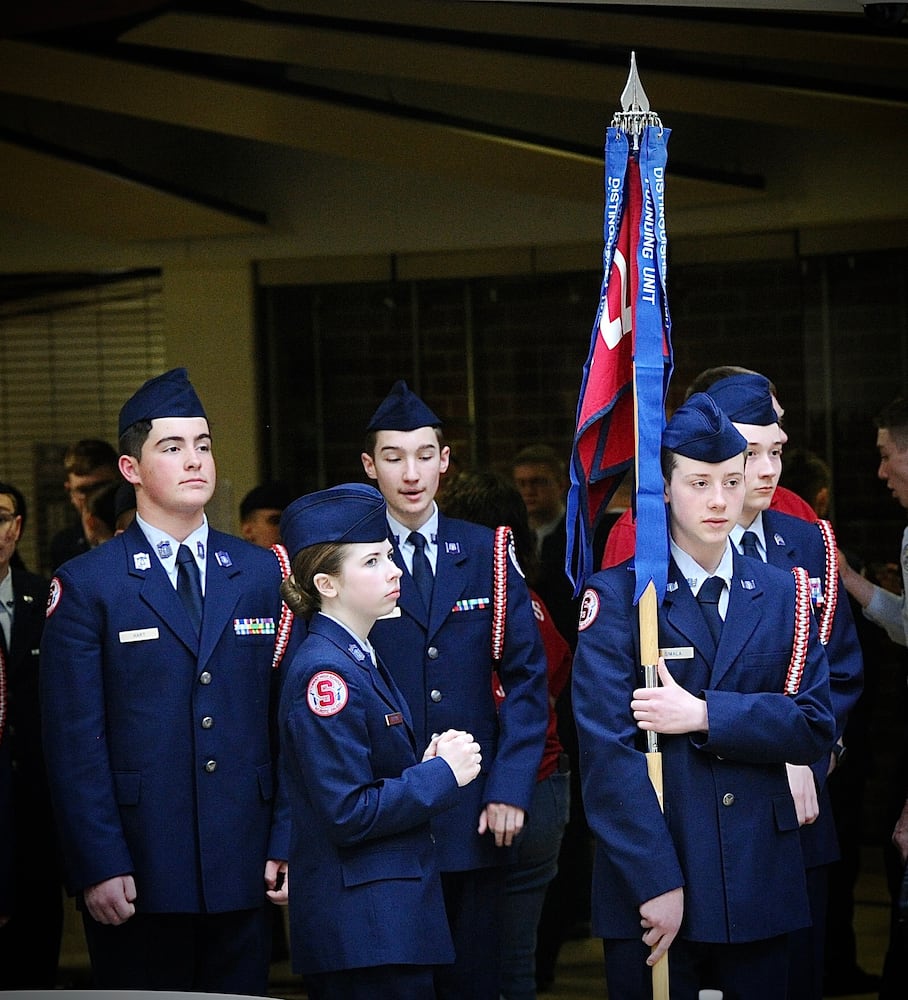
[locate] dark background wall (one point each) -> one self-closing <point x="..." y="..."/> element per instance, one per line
<point x="500" y="359"/>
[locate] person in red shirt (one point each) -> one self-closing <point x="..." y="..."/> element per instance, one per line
<point x="622" y="538"/>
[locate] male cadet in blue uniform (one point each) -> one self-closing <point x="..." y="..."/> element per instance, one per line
<point x="158" y="727"/>
<point x="439" y="651"/>
<point x="786" y="541"/>
<point x="717" y="880"/>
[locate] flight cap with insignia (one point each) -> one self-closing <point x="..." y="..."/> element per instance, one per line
<point x="745" y="399"/>
<point x="402" y="410"/>
<point x="167" y="395"/>
<point x="351" y="512"/>
<point x="698" y="429"/>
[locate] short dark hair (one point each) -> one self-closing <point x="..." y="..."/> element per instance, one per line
<point x="541" y="454"/>
<point x="272" y="496"/>
<point x="133" y="438"/>
<point x="7" y="489"/>
<point x="709" y="376"/>
<point x="88" y="455"/>
<point x="894" y="418"/>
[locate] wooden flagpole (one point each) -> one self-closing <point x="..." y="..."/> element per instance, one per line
<point x="633" y="118"/>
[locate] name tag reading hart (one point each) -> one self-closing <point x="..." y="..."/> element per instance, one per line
<point x="139" y="635"/>
<point x="677" y="653"/>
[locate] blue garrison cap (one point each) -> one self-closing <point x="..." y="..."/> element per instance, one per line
<point x="745" y="399"/>
<point x="167" y="395"/>
<point x="698" y="429"/>
<point x="351" y="512"/>
<point x="402" y="410"/>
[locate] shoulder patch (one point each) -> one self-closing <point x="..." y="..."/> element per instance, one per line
<point x="53" y="596"/>
<point x="328" y="693"/>
<point x="512" y="555"/>
<point x="589" y="609"/>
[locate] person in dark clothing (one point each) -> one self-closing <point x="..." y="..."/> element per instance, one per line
<point x="31" y="885"/>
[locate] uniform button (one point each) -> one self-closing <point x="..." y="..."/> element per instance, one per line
<point x="204" y="677"/>
<point x="435" y="695"/>
<point x="207" y="722"/>
<point x="728" y="799"/>
<point x="432" y="653"/>
<point x="211" y="766"/>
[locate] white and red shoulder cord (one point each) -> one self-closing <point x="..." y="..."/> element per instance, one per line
<point x="286" y="622"/>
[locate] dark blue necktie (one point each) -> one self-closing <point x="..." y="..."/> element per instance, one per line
<point x="749" y="545"/>
<point x="422" y="568"/>
<point x="708" y="596"/>
<point x="189" y="586"/>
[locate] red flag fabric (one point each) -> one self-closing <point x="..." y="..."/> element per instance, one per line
<point x="620" y="411"/>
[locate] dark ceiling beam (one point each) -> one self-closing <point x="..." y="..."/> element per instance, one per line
<point x="319" y="124"/>
<point x="67" y="193"/>
<point x="708" y="95"/>
<point x="745" y="30"/>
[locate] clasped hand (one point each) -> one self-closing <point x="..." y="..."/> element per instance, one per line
<point x="459" y="751"/>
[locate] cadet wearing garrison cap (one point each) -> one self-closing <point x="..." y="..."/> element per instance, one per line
<point x="367" y="916"/>
<point x="439" y="651"/>
<point x="786" y="541"/>
<point x="157" y="723"/>
<point x="717" y="875"/>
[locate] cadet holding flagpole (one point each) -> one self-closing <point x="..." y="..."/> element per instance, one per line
<point x="717" y="877"/>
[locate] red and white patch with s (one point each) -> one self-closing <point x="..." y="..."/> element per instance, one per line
<point x="53" y="597"/>
<point x="328" y="693"/>
<point x="589" y="609"/>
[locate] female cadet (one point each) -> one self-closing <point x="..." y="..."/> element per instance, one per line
<point x="367" y="916"/>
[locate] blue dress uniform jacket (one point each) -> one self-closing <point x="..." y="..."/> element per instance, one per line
<point x="791" y="541"/>
<point x="158" y="743"/>
<point x="729" y="833"/>
<point x="442" y="662"/>
<point x="364" y="882"/>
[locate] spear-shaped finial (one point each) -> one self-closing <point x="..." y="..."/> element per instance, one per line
<point x="633" y="97"/>
<point x="635" y="114"/>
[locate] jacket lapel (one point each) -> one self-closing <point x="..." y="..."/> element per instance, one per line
<point x="776" y="554"/>
<point x="156" y="590"/>
<point x="379" y="677"/>
<point x="741" y="619"/>
<point x="452" y="572"/>
<point x="223" y="589"/>
<point x="683" y="614"/>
